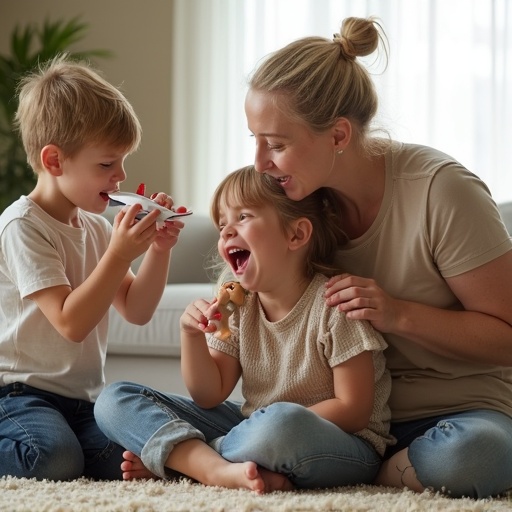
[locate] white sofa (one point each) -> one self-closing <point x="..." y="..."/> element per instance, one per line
<point x="149" y="354"/>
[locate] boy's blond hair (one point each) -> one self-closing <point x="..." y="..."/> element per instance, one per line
<point x="70" y="105"/>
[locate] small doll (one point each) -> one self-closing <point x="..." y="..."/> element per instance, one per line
<point x="230" y="296"/>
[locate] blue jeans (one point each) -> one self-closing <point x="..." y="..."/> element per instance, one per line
<point x="463" y="454"/>
<point x="283" y="437"/>
<point x="43" y="435"/>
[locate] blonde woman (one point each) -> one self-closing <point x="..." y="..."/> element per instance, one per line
<point x="428" y="261"/>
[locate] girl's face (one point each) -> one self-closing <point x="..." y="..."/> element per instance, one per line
<point x="301" y="160"/>
<point x="253" y="244"/>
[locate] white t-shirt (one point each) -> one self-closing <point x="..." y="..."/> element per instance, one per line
<point x="37" y="252"/>
<point x="437" y="220"/>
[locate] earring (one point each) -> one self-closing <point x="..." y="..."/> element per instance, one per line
<point x="339" y="152"/>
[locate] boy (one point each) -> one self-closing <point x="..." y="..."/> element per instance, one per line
<point x="62" y="266"/>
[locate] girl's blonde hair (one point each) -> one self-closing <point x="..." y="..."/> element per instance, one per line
<point x="247" y="187"/>
<point x="70" y="105"/>
<point x="319" y="80"/>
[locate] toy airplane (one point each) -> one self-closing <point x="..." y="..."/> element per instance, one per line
<point x="129" y="198"/>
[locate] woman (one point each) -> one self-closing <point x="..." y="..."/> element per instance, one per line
<point x="429" y="261"/>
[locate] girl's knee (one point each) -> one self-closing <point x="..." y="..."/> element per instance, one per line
<point x="285" y="419"/>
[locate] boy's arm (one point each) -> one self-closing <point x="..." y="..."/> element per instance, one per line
<point x="75" y="312"/>
<point x="138" y="296"/>
<point x="210" y="375"/>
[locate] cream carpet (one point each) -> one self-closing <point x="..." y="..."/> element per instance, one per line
<point x="18" y="495"/>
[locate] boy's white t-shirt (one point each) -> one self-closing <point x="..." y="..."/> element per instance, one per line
<point x="38" y="252"/>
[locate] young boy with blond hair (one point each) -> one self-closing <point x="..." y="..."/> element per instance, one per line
<point x="62" y="265"/>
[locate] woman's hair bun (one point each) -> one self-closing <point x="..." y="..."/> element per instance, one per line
<point x="359" y="37"/>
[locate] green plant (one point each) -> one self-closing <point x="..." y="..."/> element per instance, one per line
<point x="30" y="46"/>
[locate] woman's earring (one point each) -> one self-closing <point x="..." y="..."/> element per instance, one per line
<point x="339" y="151"/>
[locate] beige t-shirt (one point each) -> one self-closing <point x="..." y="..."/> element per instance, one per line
<point x="437" y="220"/>
<point x="291" y="360"/>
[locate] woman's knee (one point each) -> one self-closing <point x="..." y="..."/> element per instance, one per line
<point x="465" y="456"/>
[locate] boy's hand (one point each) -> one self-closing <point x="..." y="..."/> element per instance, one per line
<point x="168" y="234"/>
<point x="132" y="237"/>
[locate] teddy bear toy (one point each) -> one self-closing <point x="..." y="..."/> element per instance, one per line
<point x="230" y="296"/>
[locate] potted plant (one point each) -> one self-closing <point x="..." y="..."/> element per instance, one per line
<point x="30" y="46"/>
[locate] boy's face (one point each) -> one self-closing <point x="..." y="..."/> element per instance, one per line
<point x="90" y="175"/>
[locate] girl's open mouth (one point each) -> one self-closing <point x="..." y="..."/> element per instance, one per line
<point x="239" y="259"/>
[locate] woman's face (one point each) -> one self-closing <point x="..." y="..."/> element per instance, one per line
<point x="298" y="158"/>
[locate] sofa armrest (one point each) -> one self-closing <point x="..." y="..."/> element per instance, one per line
<point x="506" y="215"/>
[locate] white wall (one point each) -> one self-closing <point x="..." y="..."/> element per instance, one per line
<point x="138" y="33"/>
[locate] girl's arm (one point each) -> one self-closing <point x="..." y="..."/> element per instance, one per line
<point x="210" y="375"/>
<point x="354" y="387"/>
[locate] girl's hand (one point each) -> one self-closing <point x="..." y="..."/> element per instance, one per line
<point x="362" y="299"/>
<point x="195" y="318"/>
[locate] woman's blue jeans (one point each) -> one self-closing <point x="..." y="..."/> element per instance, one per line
<point x="283" y="437"/>
<point x="43" y="435"/>
<point x="464" y="454"/>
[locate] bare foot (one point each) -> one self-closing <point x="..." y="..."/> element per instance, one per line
<point x="132" y="467"/>
<point x="247" y="475"/>
<point x="237" y="475"/>
<point x="275" y="481"/>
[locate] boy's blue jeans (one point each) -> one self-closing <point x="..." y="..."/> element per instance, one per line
<point x="464" y="454"/>
<point x="44" y="435"/>
<point x="283" y="437"/>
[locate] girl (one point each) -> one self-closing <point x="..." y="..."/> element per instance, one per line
<point x="315" y="387"/>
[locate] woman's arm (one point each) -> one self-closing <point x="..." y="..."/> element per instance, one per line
<point x="354" y="389"/>
<point x="481" y="333"/>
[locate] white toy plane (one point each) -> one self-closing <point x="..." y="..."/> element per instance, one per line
<point x="129" y="198"/>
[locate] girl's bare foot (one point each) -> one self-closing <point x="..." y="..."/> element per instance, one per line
<point x="247" y="475"/>
<point x="275" y="481"/>
<point x="132" y="467"/>
<point x="237" y="475"/>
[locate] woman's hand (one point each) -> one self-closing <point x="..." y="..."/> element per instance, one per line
<point x="363" y="299"/>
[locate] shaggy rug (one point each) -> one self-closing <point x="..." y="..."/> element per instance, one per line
<point x="83" y="495"/>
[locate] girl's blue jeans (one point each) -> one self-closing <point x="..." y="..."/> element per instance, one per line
<point x="463" y="454"/>
<point x="44" y="435"/>
<point x="283" y="437"/>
